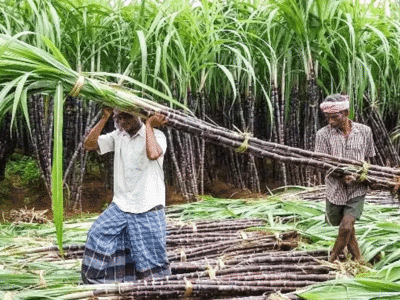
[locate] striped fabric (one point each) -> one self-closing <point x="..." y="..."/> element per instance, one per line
<point x="124" y="247"/>
<point x="359" y="145"/>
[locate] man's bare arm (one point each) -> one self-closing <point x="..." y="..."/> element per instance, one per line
<point x="91" y="140"/>
<point x="153" y="149"/>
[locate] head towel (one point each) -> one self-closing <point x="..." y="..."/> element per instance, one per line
<point x="335" y="103"/>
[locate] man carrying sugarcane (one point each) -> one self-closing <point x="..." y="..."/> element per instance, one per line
<point x="128" y="240"/>
<point x="345" y="196"/>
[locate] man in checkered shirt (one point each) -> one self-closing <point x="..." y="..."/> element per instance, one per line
<point x="344" y="196"/>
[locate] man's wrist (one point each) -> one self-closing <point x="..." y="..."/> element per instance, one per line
<point x="148" y="123"/>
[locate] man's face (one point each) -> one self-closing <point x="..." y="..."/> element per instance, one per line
<point x="337" y="120"/>
<point x="131" y="124"/>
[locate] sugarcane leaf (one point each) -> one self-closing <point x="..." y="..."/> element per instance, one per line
<point x="56" y="52"/>
<point x="57" y="167"/>
<point x="158" y="60"/>
<point x="144" y="86"/>
<point x="393" y="256"/>
<point x="368" y="255"/>
<point x="17" y="96"/>
<point x="379" y="284"/>
<point x="143" y="48"/>
<point x="230" y="78"/>
<point x="390" y="273"/>
<point x="11" y="40"/>
<point x="24" y="104"/>
<point x="7" y="87"/>
<point x="302" y="209"/>
<point x="394" y="227"/>
<point x="126" y="72"/>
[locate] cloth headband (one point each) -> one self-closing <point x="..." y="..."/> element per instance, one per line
<point x="334" y="107"/>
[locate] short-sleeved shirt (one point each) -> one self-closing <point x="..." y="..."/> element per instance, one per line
<point x="138" y="181"/>
<point x="359" y="145"/>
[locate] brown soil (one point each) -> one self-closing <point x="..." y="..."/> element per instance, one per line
<point x="95" y="197"/>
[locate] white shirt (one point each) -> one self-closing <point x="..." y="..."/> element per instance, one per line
<point x="138" y="181"/>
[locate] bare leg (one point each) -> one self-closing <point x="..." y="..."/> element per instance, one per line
<point x="353" y="247"/>
<point x="345" y="229"/>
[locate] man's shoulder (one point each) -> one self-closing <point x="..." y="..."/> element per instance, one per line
<point x="361" y="127"/>
<point x="324" y="130"/>
<point x="115" y="133"/>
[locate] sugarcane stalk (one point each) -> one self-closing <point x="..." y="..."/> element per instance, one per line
<point x="192" y="169"/>
<point x="203" y="142"/>
<point x="181" y="182"/>
<point x="79" y="147"/>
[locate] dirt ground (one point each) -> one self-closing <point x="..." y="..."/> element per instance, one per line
<point x="95" y="197"/>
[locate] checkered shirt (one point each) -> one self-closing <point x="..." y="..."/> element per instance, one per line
<point x="359" y="145"/>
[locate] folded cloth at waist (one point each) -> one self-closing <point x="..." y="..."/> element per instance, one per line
<point x="125" y="247"/>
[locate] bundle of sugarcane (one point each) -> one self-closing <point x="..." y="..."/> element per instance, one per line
<point x="25" y="69"/>
<point x="318" y="194"/>
<point x="376" y="176"/>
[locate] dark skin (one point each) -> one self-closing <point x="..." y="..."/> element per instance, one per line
<point x="346" y="235"/>
<point x="131" y="124"/>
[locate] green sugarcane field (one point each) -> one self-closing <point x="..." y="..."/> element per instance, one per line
<point x="263" y="121"/>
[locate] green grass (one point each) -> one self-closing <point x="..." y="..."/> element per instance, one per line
<point x="22" y="172"/>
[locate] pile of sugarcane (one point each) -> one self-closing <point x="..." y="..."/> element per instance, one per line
<point x="212" y="259"/>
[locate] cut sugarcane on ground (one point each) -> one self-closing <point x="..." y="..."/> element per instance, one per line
<point x="219" y="249"/>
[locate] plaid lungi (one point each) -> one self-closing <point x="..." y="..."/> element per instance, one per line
<point x="124" y="247"/>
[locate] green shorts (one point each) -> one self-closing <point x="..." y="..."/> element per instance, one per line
<point x="334" y="213"/>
